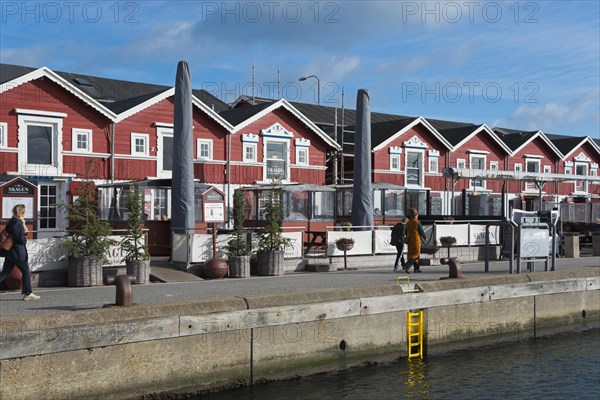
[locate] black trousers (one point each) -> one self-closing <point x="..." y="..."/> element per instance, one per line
<point x="9" y="263"/>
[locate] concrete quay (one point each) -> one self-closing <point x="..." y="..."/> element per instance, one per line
<point x="194" y="336"/>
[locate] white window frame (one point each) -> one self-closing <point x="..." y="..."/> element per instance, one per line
<point x="422" y="167"/>
<point x="460" y="161"/>
<point x="433" y="159"/>
<point x="41" y="118"/>
<point x="518" y="167"/>
<point x="199" y="144"/>
<point x="547" y="169"/>
<point x="533" y="160"/>
<point x="585" y="183"/>
<point x="395" y="158"/>
<point x="593" y="172"/>
<point x="3" y="135"/>
<point x="146" y="139"/>
<point x="568" y="171"/>
<point x="299" y="150"/>
<point x="75" y="132"/>
<point x="161" y="134"/>
<point x="493" y="165"/>
<point x="483" y="181"/>
<point x="247" y="146"/>
<point x="266" y="141"/>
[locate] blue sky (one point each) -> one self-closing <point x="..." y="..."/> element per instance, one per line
<point x="524" y="65"/>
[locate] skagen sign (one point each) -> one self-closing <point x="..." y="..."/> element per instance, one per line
<point x="18" y="188"/>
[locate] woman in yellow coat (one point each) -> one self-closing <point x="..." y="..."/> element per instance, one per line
<point x="415" y="234"/>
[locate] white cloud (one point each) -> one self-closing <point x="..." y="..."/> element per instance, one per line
<point x="553" y="117"/>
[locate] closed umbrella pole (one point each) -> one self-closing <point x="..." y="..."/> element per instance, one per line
<point x="362" y="201"/>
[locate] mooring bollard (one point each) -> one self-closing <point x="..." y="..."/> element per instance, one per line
<point x="454" y="266"/>
<point x="124" y="291"/>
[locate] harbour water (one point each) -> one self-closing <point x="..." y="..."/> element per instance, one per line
<point x="565" y="366"/>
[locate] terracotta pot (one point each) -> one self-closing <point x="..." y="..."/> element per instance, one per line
<point x="215" y="268"/>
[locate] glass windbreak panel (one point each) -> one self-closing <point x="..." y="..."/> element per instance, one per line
<point x="322" y="205"/>
<point x="414" y="166"/>
<point x="344" y="202"/>
<point x="197" y="204"/>
<point x="263" y="198"/>
<point x="394" y="203"/>
<point x="418" y="200"/>
<point x="160" y="210"/>
<point x="295" y="206"/>
<point x="477" y="204"/>
<point x="39" y="144"/>
<point x="249" y="205"/>
<point x="581" y="186"/>
<point x="436" y="204"/>
<point x="377" y="202"/>
<point x="167" y="153"/>
<point x="105" y="198"/>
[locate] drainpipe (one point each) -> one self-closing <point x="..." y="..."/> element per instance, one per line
<point x="228" y="174"/>
<point x="112" y="153"/>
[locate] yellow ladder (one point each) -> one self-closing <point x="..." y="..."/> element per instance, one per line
<point x="414" y="333"/>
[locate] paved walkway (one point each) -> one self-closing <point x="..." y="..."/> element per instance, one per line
<point x="66" y="299"/>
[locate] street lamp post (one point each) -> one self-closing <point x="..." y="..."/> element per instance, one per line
<point x="318" y="86"/>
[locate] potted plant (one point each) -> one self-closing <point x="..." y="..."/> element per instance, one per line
<point x="271" y="242"/>
<point x="89" y="242"/>
<point x="238" y="248"/>
<point x="344" y="244"/>
<point x="133" y="244"/>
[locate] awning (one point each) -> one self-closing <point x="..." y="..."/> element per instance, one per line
<point x="516" y="176"/>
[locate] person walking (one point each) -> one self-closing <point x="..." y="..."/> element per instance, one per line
<point x="18" y="254"/>
<point x="415" y="234"/>
<point x="398" y="236"/>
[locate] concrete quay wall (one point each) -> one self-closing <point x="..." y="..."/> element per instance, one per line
<point x="202" y="345"/>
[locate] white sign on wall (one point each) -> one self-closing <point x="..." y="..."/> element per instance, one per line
<point x="8" y="203"/>
<point x="214" y="212"/>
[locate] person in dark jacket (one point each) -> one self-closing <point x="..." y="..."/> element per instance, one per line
<point x="398" y="235"/>
<point x="18" y="254"/>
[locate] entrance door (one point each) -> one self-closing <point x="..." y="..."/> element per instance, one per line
<point x="51" y="218"/>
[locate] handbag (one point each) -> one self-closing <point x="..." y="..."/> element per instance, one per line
<point x="6" y="240"/>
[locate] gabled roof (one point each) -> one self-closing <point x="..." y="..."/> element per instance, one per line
<point x="13" y="81"/>
<point x="568" y="144"/>
<point x="516" y="139"/>
<point x="405" y="127"/>
<point x="244" y="116"/>
<point x="115" y="95"/>
<point x="459" y="136"/>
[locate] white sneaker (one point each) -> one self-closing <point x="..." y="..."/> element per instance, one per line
<point x="31" y="296"/>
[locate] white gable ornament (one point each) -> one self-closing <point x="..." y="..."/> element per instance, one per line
<point x="250" y="138"/>
<point x="434" y="153"/>
<point x="302" y="142"/>
<point x="568" y="163"/>
<point x="415" y="142"/>
<point x="582" y="157"/>
<point x="594" y="165"/>
<point x="395" y="150"/>
<point x="276" y="130"/>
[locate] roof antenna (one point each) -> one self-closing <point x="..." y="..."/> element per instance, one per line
<point x="253" y="82"/>
<point x="278" y="83"/>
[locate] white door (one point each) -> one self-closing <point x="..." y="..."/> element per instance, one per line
<point x="51" y="217"/>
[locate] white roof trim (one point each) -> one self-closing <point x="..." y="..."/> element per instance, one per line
<point x="53" y="76"/>
<point x="487" y="129"/>
<point x="416" y="121"/>
<point x="545" y="139"/>
<point x="142" y="106"/>
<point x="212" y="114"/>
<point x="285" y="104"/>
<point x="589" y="140"/>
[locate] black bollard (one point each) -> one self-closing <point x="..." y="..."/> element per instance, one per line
<point x="124" y="291"/>
<point x="454" y="266"/>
